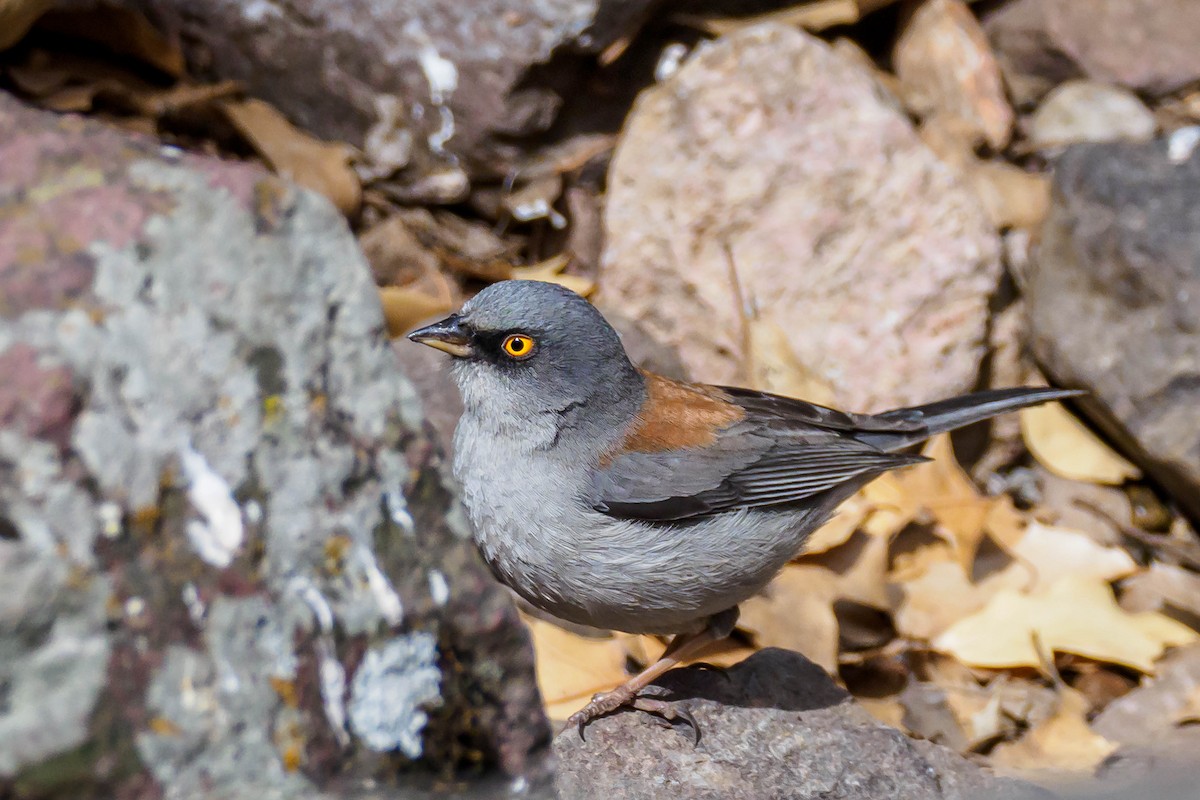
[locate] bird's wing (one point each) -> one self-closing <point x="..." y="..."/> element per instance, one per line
<point x="698" y="451"/>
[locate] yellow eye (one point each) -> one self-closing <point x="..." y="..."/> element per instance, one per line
<point x="519" y="346"/>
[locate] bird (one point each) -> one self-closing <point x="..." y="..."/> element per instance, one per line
<point x="612" y="497"/>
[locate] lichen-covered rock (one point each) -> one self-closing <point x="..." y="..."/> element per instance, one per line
<point x="230" y="565"/>
<point x="1113" y="296"/>
<point x="770" y="175"/>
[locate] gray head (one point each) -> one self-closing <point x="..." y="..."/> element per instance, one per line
<point x="525" y="348"/>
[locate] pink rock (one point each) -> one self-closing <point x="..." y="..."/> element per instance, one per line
<point x="846" y="230"/>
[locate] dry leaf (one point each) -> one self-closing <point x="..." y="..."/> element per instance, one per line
<point x="551" y="271"/>
<point x="17" y="16"/>
<point x="1064" y="741"/>
<point x="1012" y="197"/>
<point x="122" y="31"/>
<point x="942" y="488"/>
<point x="404" y="307"/>
<point x="314" y="164"/>
<point x="936" y="600"/>
<point x="571" y="668"/>
<point x="1063" y="445"/>
<point x="840" y="527"/>
<point x="1051" y="553"/>
<point x="796" y="612"/>
<point x="1076" y="615"/>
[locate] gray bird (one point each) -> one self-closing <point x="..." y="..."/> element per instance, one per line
<point x="615" y="498"/>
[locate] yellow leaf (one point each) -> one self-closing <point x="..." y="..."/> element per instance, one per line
<point x="1077" y="614"/>
<point x="1051" y="553"/>
<point x="571" y="668"/>
<point x="796" y="612"/>
<point x="404" y="307"/>
<point x="314" y="164"/>
<point x="937" y="599"/>
<point x="1063" y="741"/>
<point x="945" y="490"/>
<point x="1064" y="445"/>
<point x="551" y="271"/>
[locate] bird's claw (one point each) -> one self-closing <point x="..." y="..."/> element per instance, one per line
<point x="647" y="700"/>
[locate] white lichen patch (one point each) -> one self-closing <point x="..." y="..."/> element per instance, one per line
<point x="219" y="534"/>
<point x="439" y="589"/>
<point x="390" y="691"/>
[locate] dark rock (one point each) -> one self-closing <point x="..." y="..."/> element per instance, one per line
<point x="230" y="564"/>
<point x="1041" y="43"/>
<point x="773" y="726"/>
<point x="416" y="84"/>
<point x="1113" y="294"/>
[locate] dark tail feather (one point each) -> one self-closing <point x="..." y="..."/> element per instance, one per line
<point x="946" y="415"/>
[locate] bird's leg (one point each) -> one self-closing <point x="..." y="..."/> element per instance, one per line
<point x="682" y="647"/>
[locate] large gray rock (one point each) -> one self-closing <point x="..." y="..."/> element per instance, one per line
<point x="418" y="83"/>
<point x="774" y="726"/>
<point x="1113" y="294"/>
<point x="1146" y="45"/>
<point x="845" y="230"/>
<point x="231" y="567"/>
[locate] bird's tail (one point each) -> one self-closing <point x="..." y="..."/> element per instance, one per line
<point x="916" y="424"/>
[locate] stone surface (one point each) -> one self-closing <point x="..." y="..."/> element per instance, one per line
<point x="1113" y="293"/>
<point x="417" y="84"/>
<point x="845" y="230"/>
<point x="945" y="66"/>
<point x="1086" y="111"/>
<point x="1145" y="45"/>
<point x="775" y="725"/>
<point x="231" y="566"/>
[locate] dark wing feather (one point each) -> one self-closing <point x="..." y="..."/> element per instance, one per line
<point x="766" y="459"/>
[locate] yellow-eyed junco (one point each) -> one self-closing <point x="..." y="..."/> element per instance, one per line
<point x="620" y="499"/>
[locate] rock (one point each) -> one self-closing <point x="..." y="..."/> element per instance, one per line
<point x="231" y="565"/>
<point x="1113" y="292"/>
<point x="418" y="84"/>
<point x="845" y="230"/>
<point x="1041" y="43"/>
<point x="775" y="725"/>
<point x="1086" y="111"/>
<point x="946" y="67"/>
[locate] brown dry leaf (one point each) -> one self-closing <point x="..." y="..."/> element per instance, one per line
<point x="551" y="271"/>
<point x="840" y="528"/>
<point x="936" y="600"/>
<point x="1064" y="445"/>
<point x="571" y="668"/>
<point x="1064" y="741"/>
<point x="314" y="164"/>
<point x="1047" y="553"/>
<point x="17" y="16"/>
<point x="121" y="31"/>
<point x="1076" y="615"/>
<point x="796" y="612"/>
<point x="948" y="493"/>
<point x="1163" y="587"/>
<point x="887" y="710"/>
<point x="816" y="15"/>
<point x="404" y="307"/>
<point x="773" y="366"/>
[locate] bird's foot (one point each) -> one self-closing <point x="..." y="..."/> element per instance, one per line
<point x="648" y="700"/>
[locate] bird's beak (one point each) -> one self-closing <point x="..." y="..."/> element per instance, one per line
<point x="449" y="335"/>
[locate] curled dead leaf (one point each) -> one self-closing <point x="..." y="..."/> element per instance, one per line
<point x="16" y="18"/>
<point x="551" y="271"/>
<point x="404" y="307"/>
